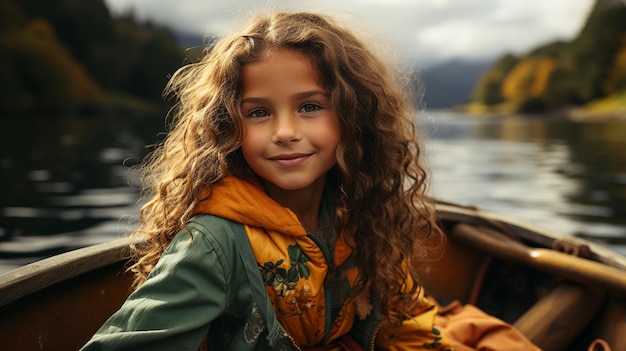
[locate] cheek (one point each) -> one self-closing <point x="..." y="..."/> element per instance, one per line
<point x="333" y="133"/>
<point x="246" y="147"/>
<point x="251" y="143"/>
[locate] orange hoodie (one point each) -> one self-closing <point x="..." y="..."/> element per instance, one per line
<point x="307" y="282"/>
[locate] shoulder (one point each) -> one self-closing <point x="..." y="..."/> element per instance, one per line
<point x="209" y="230"/>
<point x="205" y="233"/>
<point x="205" y="247"/>
<point x="213" y="226"/>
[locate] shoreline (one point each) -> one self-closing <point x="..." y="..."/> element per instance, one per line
<point x="573" y="113"/>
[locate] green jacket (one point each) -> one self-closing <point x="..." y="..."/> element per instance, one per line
<point x="183" y="302"/>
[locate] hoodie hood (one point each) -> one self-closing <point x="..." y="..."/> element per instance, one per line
<point x="245" y="202"/>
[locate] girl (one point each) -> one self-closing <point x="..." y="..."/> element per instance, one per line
<point x="288" y="207"/>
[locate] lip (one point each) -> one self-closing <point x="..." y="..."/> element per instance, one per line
<point x="289" y="160"/>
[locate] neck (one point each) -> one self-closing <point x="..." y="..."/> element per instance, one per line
<point x="305" y="203"/>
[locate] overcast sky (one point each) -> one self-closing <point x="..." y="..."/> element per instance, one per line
<point x="430" y="31"/>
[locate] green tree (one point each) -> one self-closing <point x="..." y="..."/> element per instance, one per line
<point x="616" y="77"/>
<point x="40" y="72"/>
<point x="152" y="54"/>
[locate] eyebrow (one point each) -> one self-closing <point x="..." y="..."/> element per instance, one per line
<point x="302" y="95"/>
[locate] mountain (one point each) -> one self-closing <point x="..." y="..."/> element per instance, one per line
<point x="559" y="75"/>
<point x="451" y="83"/>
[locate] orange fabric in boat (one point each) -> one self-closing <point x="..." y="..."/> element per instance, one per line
<point x="470" y="329"/>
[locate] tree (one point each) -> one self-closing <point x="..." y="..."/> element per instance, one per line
<point x="489" y="86"/>
<point x="41" y="73"/>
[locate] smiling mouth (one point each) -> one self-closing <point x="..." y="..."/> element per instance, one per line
<point x="288" y="160"/>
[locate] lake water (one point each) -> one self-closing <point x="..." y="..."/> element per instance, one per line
<point x="68" y="183"/>
<point x="569" y="176"/>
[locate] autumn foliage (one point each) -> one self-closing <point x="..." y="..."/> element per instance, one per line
<point x="562" y="74"/>
<point x="63" y="55"/>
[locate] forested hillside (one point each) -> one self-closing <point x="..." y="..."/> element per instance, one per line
<point x="64" y="55"/>
<point x="589" y="69"/>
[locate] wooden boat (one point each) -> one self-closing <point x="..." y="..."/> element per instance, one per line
<point x="561" y="292"/>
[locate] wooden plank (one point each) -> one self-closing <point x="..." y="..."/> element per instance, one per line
<point x="537" y="235"/>
<point x="570" y="267"/>
<point x="44" y="273"/>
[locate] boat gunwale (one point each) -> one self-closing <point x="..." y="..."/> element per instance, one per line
<point x="44" y="273"/>
<point x="527" y="231"/>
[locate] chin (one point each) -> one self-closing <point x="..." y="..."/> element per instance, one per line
<point x="293" y="185"/>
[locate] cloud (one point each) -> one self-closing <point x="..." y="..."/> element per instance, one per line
<point x="429" y="30"/>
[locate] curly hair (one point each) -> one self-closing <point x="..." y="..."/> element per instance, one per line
<point x="380" y="179"/>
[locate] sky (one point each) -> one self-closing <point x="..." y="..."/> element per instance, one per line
<point x="428" y="32"/>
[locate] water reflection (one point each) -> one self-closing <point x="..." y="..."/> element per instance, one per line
<point x="564" y="175"/>
<point x="67" y="183"/>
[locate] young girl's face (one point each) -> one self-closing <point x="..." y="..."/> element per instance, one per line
<point x="291" y="130"/>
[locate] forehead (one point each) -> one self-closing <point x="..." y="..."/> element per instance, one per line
<point x="280" y="70"/>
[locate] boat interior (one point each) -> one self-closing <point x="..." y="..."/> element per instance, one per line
<point x="561" y="293"/>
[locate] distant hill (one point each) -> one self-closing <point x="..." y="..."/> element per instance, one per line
<point x="64" y="55"/>
<point x="450" y="84"/>
<point x="446" y="85"/>
<point x="588" y="69"/>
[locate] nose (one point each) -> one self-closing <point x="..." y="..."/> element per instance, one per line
<point x="286" y="129"/>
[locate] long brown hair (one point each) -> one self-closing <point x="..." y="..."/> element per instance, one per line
<point x="380" y="178"/>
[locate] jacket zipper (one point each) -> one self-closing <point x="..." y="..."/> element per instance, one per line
<point x="293" y="342"/>
<point x="373" y="339"/>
